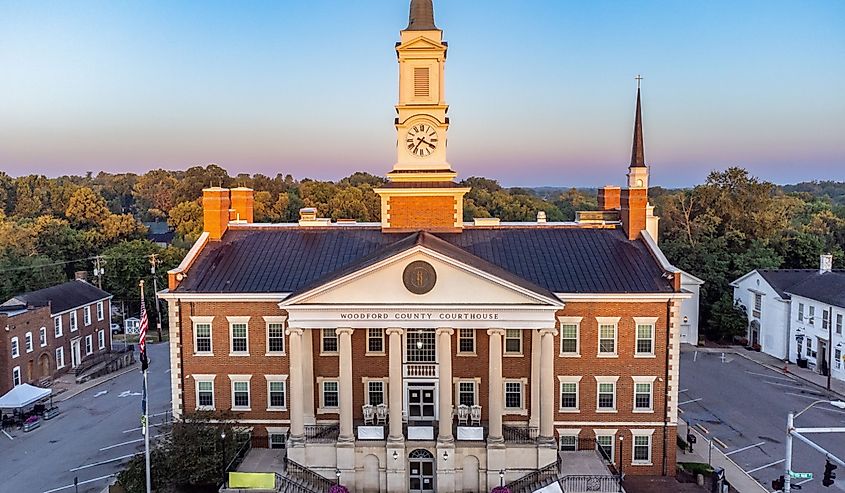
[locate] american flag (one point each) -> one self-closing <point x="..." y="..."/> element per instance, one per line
<point x="142" y="342"/>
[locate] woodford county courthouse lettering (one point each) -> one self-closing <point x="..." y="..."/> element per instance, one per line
<point x="427" y="353"/>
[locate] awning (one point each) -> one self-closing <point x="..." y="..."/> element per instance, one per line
<point x="22" y="396"/>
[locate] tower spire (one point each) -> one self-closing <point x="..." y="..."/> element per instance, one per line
<point x="638" y="151"/>
<point x="422" y="16"/>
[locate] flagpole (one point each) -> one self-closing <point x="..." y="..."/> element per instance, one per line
<point x="146" y="427"/>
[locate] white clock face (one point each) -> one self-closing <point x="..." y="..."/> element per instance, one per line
<point x="421" y="140"/>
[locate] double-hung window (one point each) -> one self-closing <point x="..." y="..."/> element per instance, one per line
<point x="86" y="315"/>
<point x="606" y="445"/>
<point x="606" y="394"/>
<point x="240" y="392"/>
<point x="42" y="336"/>
<point x="644" y="394"/>
<point x="101" y="339"/>
<point x="329" y="342"/>
<point x="568" y="442"/>
<point x="513" y="341"/>
<point x="800" y="312"/>
<point x="275" y="335"/>
<point x="16" y="376"/>
<point x="57" y="326"/>
<point x="16" y="347"/>
<point x="205" y="392"/>
<point x="839" y="323"/>
<point x="837" y="359"/>
<point x="569" y="393"/>
<point x="644" y="344"/>
<point x="28" y="342"/>
<point x="330" y="395"/>
<point x="375" y="341"/>
<point x="570" y="331"/>
<point x="89" y="344"/>
<point x="276" y="392"/>
<point x="60" y="357"/>
<point x="375" y="392"/>
<point x="73" y="325"/>
<point x="239" y="336"/>
<point x="100" y="311"/>
<point x="607" y="336"/>
<point x="466" y="393"/>
<point x="514" y="401"/>
<point x="642" y="447"/>
<point x="825" y="319"/>
<point x="812" y="315"/>
<point x="202" y="335"/>
<point x="466" y="341"/>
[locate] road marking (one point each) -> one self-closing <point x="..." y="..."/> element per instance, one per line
<point x="60" y="488"/>
<point x="102" y="392"/>
<point x="805" y="481"/>
<point x="721" y="443"/>
<point x="743" y="449"/>
<point x="690" y="401"/>
<point x="809" y="397"/>
<point x="794" y="387"/>
<point x="8" y="435"/>
<point x="694" y="356"/>
<point x="95" y="464"/>
<point x="141" y="428"/>
<point x="765" y="467"/>
<point x="159" y="414"/>
<point x="771" y="376"/>
<point x="121" y="444"/>
<point x="705" y="430"/>
<point x="683" y="391"/>
<point x="128" y="393"/>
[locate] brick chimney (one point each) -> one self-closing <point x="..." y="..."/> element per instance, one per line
<point x="633" y="211"/>
<point x="215" y="211"/>
<point x="243" y="200"/>
<point x="610" y="198"/>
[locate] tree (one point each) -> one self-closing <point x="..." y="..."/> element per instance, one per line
<point x="155" y="192"/>
<point x="196" y="178"/>
<point x="86" y="208"/>
<point x="727" y="320"/>
<point x="186" y="219"/>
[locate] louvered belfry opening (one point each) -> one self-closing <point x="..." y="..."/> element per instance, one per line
<point x="421" y="82"/>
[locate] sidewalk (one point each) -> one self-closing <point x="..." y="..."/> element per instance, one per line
<point x="66" y="386"/>
<point x="739" y="479"/>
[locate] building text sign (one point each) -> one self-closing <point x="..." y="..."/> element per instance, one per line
<point x="525" y="317"/>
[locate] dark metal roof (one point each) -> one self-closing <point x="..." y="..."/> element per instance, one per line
<point x="422" y="16"/>
<point x="828" y="287"/>
<point x="555" y="259"/>
<point x="62" y="297"/>
<point x="783" y="279"/>
<point x="638" y="149"/>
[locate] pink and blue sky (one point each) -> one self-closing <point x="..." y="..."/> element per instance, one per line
<point x="541" y="92"/>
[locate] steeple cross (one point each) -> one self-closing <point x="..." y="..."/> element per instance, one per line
<point x="639" y="78"/>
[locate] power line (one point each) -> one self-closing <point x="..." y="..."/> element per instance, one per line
<point x="65" y="262"/>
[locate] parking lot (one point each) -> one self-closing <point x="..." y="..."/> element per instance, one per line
<point x="97" y="432"/>
<point x="742" y="406"/>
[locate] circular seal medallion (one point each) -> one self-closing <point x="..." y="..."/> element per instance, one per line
<point x="419" y="277"/>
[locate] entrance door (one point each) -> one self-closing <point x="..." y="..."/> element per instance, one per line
<point x="823" y="366"/>
<point x="75" y="353"/>
<point x="755" y="333"/>
<point x="421" y="471"/>
<point x="421" y="402"/>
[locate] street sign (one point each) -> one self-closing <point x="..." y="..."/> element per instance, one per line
<point x="801" y="475"/>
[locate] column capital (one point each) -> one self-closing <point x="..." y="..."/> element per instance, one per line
<point x="445" y="330"/>
<point x="495" y="332"/>
<point x="343" y="331"/>
<point x="394" y="330"/>
<point x="293" y="331"/>
<point x="548" y="332"/>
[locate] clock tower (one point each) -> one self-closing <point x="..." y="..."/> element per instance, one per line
<point x="421" y="193"/>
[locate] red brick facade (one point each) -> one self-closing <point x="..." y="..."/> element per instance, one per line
<point x="420" y="212"/>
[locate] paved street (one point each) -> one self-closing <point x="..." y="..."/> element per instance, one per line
<point x="97" y="431"/>
<point x="742" y="407"/>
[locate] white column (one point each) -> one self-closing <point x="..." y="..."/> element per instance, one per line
<point x="345" y="383"/>
<point x="444" y="350"/>
<point x="395" y="385"/>
<point x="534" y="411"/>
<point x="547" y="388"/>
<point x="496" y="391"/>
<point x="308" y="375"/>
<point x="297" y="394"/>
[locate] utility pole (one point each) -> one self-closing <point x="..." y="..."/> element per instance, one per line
<point x="153" y="262"/>
<point x="99" y="270"/>
<point x="793" y="432"/>
<point x="829" y="346"/>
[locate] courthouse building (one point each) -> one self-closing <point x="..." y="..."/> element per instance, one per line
<point x="424" y="352"/>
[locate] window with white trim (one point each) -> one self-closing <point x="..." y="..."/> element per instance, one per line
<point x="89" y="344"/>
<point x="276" y="392"/>
<point x="60" y="357"/>
<point x="240" y="392"/>
<point x="16" y="347"/>
<point x="277" y="440"/>
<point x="57" y="326"/>
<point x="466" y="341"/>
<point x="238" y="336"/>
<point x="375" y="392"/>
<point x="642" y="447"/>
<point x="809" y="346"/>
<point x="202" y="336"/>
<point x="329" y="395"/>
<point x="16" y="376"/>
<point x="800" y="312"/>
<point x="513" y="395"/>
<point x="825" y="319"/>
<point x="606" y="393"/>
<point x="42" y="336"/>
<point x="27" y="342"/>
<point x="644" y="394"/>
<point x="101" y="339"/>
<point x="513" y="341"/>
<point x="569" y="393"/>
<point x="568" y="443"/>
<point x="86" y="315"/>
<point x="73" y="325"/>
<point x="101" y="312"/>
<point x="275" y="338"/>
<point x="606" y="442"/>
<point x="812" y="314"/>
<point x="467" y="393"/>
<point x="329" y="341"/>
<point x="375" y="341"/>
<point x="644" y="344"/>
<point x="837" y="358"/>
<point x="839" y="323"/>
<point x="205" y="392"/>
<point x="608" y="332"/>
<point x="569" y="339"/>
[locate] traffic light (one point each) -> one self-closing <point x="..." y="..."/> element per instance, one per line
<point x="829" y="475"/>
<point x="778" y="484"/>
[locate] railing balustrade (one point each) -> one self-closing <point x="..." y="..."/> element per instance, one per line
<point x="587" y="483"/>
<point x="428" y="370"/>
<point x="322" y="433"/>
<point x="520" y="434"/>
<point x="305" y="477"/>
<point x="536" y="480"/>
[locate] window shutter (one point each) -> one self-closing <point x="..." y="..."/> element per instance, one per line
<point x="421" y="82"/>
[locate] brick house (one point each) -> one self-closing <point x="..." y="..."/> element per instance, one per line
<point x="425" y="352"/>
<point x="51" y="331"/>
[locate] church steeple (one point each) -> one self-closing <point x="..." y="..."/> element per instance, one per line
<point x="422" y="16"/>
<point x="637" y="151"/>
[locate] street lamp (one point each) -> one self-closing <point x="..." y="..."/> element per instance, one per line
<point x="501" y="477"/>
<point x="337" y="475"/>
<point x="790" y="427"/>
<point x="223" y="453"/>
<point x="621" y="466"/>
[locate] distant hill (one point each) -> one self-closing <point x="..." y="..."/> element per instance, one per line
<point x="834" y="190"/>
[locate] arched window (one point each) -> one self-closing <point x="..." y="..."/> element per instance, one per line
<point x="421" y="454"/>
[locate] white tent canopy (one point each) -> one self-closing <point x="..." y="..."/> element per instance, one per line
<point x="22" y="396"/>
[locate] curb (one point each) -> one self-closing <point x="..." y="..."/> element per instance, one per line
<point x="796" y="375"/>
<point x="100" y="382"/>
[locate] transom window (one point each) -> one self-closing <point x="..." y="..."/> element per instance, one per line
<point x="513" y="395"/>
<point x="607" y="396"/>
<point x="642" y="396"/>
<point x="466" y="393"/>
<point x="275" y="338"/>
<point x="276" y="394"/>
<point x="205" y="394"/>
<point x="375" y="340"/>
<point x="569" y="339"/>
<point x="645" y="339"/>
<point x="240" y="391"/>
<point x="329" y="340"/>
<point x="513" y="341"/>
<point x="466" y="340"/>
<point x="642" y="449"/>
<point x="607" y="339"/>
<point x="239" y="338"/>
<point x="202" y="332"/>
<point x="375" y="392"/>
<point x="331" y="398"/>
<point x="420" y="346"/>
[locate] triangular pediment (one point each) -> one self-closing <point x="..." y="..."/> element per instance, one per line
<point x="441" y="280"/>
<point x="421" y="43"/>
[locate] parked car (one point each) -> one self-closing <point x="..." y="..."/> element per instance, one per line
<point x="115" y="329"/>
